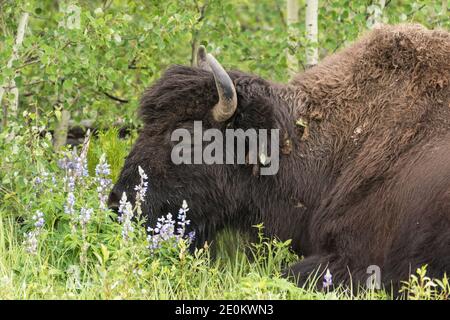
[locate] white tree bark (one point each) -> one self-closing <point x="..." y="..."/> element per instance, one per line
<point x="375" y="12"/>
<point x="292" y="18"/>
<point x="15" y="54"/>
<point x="312" y="30"/>
<point x="60" y="135"/>
<point x="62" y="128"/>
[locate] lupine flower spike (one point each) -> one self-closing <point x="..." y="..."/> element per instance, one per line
<point x="83" y="218"/>
<point x="141" y="189"/>
<point x="31" y="237"/>
<point x="126" y="216"/>
<point x="76" y="169"/>
<point x="327" y="279"/>
<point x="102" y="171"/>
<point x="164" y="231"/>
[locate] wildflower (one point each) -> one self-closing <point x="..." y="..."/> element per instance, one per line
<point x="81" y="163"/>
<point x="39" y="219"/>
<point x="102" y="171"/>
<point x="141" y="189"/>
<point x="75" y="165"/>
<point x="31" y="237"/>
<point x="71" y="183"/>
<point x="164" y="231"/>
<point x="182" y="222"/>
<point x="85" y="216"/>
<point x="53" y="183"/>
<point x="191" y="236"/>
<point x="122" y="203"/>
<point x="42" y="178"/>
<point x="70" y="204"/>
<point x="166" y="227"/>
<point x="102" y="168"/>
<point x="126" y="216"/>
<point x="76" y="168"/>
<point x="64" y="163"/>
<point x="327" y="279"/>
<point x="80" y="166"/>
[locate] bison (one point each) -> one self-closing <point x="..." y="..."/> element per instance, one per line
<point x="364" y="167"/>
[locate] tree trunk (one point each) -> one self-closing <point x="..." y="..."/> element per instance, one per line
<point x="62" y="128"/>
<point x="195" y="33"/>
<point x="60" y="135"/>
<point x="312" y="52"/>
<point x="12" y="84"/>
<point x="292" y="18"/>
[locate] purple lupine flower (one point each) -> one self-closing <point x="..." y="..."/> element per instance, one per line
<point x="182" y="222"/>
<point x="122" y="204"/>
<point x="69" y="207"/>
<point x="102" y="171"/>
<point x="327" y="279"/>
<point x="126" y="216"/>
<point x="165" y="229"/>
<point x="191" y="236"/>
<point x="102" y="168"/>
<point x="53" y="183"/>
<point x="31" y="237"/>
<point x="76" y="165"/>
<point x="76" y="168"/>
<point x="85" y="216"/>
<point x="141" y="189"/>
<point x="63" y="163"/>
<point x="71" y="183"/>
<point x="80" y="162"/>
<point x="39" y="219"/>
<point x="42" y="178"/>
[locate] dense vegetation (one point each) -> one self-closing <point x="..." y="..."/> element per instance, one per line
<point x="87" y="62"/>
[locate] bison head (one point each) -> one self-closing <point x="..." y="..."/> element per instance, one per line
<point x="218" y="194"/>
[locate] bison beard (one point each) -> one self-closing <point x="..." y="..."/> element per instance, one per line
<point x="364" y="180"/>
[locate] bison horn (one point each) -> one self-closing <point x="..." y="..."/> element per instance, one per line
<point x="201" y="59"/>
<point x="227" y="104"/>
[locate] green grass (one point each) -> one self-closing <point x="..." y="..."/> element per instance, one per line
<point x="97" y="263"/>
<point x="130" y="275"/>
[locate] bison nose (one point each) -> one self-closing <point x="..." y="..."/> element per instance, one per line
<point x="113" y="201"/>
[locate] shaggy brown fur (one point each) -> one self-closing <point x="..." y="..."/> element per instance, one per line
<point x="367" y="182"/>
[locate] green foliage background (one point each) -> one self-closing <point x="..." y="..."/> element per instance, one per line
<point x="122" y="46"/>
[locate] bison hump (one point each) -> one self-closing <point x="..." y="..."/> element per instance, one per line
<point x="387" y="53"/>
